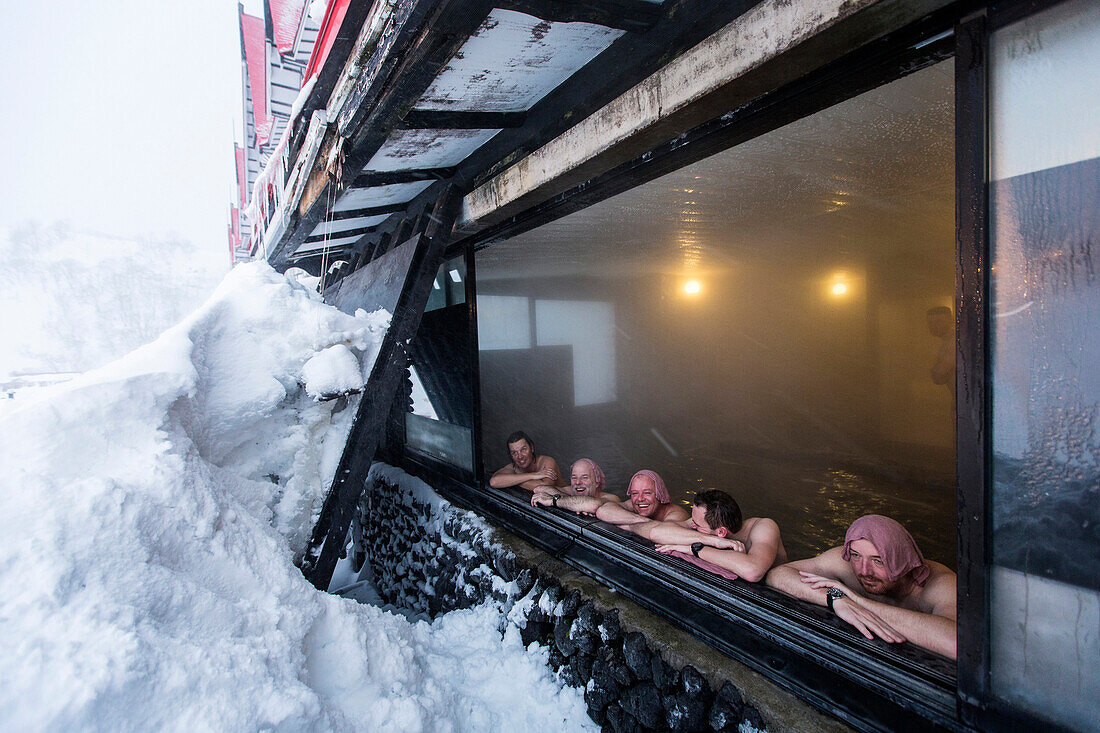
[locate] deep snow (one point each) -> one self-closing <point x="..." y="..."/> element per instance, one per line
<point x="150" y="513"/>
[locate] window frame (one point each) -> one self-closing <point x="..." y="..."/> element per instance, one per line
<point x="839" y="673"/>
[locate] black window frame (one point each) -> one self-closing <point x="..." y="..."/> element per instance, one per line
<point x="841" y="671"/>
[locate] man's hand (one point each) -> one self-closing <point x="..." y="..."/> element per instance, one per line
<point x="546" y="474"/>
<point x="541" y="499"/>
<point x="867" y="622"/>
<point x="852" y="609"/>
<point x="722" y="543"/>
<point x="822" y="583"/>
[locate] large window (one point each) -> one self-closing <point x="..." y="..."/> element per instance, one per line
<point x="774" y="320"/>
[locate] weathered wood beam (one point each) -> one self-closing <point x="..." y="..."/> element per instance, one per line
<point x="386" y="178"/>
<point x="777" y="42"/>
<point x="630" y="59"/>
<point x="448" y="119"/>
<point x="314" y="238"/>
<point x="627" y="15"/>
<point x="389" y="368"/>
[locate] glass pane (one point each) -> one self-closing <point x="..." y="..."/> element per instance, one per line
<point x="440" y="423"/>
<point x="758" y="321"/>
<point x="1045" y="204"/>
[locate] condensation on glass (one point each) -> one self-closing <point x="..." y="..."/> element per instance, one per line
<point x="775" y="320"/>
<point x="1045" y="207"/>
<point x="440" y="421"/>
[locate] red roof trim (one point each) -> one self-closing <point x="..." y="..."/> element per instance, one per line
<point x="330" y="28"/>
<point x="255" y="56"/>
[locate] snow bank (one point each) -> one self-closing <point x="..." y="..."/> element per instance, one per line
<point x="150" y="512"/>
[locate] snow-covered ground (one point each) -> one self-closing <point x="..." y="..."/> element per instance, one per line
<point x="150" y="512"/>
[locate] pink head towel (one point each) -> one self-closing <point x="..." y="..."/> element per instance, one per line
<point x="597" y="472"/>
<point x="661" y="490"/>
<point x="896" y="547"/>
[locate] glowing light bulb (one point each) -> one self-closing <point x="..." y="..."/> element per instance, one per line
<point x="693" y="287"/>
<point x="840" y="289"/>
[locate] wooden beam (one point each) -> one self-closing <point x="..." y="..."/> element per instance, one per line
<point x="628" y="15"/>
<point x="450" y="119"/>
<point x="313" y="239"/>
<point x="389" y="368"/>
<point x="699" y="85"/>
<point x="386" y="178"/>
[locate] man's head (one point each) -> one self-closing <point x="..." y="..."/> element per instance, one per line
<point x="883" y="555"/>
<point x="715" y="512"/>
<point x="522" y="450"/>
<point x="647" y="493"/>
<point x="940" y="321"/>
<point x="586" y="477"/>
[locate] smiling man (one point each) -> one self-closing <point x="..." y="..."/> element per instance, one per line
<point x="647" y="497"/>
<point x="528" y="469"/>
<point x="879" y="582"/>
<point x="585" y="479"/>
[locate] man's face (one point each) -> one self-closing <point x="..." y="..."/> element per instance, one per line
<point x="522" y="455"/>
<point x="699" y="520"/>
<point x="581" y="480"/>
<point x="643" y="495"/>
<point x="869" y="569"/>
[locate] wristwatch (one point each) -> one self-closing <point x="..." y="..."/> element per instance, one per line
<point x="696" y="548"/>
<point x="831" y="595"/>
<point x="554" y="499"/>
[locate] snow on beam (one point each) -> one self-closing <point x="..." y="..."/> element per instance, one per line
<point x="770" y="45"/>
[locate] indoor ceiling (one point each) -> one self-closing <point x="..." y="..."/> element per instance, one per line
<point x="869" y="178"/>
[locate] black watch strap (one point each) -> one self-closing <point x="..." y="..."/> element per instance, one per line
<point x="831" y="595"/>
<point x="696" y="548"/>
<point x="554" y="498"/>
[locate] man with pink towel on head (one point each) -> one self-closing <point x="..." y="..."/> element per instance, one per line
<point x="879" y="582"/>
<point x="647" y="496"/>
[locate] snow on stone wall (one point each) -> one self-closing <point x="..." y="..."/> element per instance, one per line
<point x="429" y="557"/>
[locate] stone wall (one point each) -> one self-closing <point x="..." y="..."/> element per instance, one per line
<point x="430" y="557"/>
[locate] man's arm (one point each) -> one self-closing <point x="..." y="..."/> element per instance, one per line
<point x="934" y="630"/>
<point x="550" y="467"/>
<point x="508" y="476"/>
<point x="752" y="565"/>
<point x="578" y="504"/>
<point x="830" y="565"/>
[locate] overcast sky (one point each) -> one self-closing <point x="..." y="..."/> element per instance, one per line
<point x="119" y="116"/>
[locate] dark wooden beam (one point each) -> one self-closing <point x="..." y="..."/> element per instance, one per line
<point x="374" y="407"/>
<point x="313" y="239"/>
<point x="386" y="178"/>
<point x="628" y="15"/>
<point x="450" y="119"/>
<point x="622" y="65"/>
<point x="372" y="111"/>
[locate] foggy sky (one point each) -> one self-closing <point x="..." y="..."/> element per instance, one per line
<point x="119" y="116"/>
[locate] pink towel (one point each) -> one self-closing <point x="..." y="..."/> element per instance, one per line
<point x="597" y="473"/>
<point x="706" y="565"/>
<point x="896" y="547"/>
<point x="662" y="492"/>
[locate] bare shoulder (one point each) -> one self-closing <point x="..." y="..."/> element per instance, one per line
<point x="939" y="595"/>
<point x="609" y="497"/>
<point x="762" y="529"/>
<point x="544" y="462"/>
<point x="673" y="513"/>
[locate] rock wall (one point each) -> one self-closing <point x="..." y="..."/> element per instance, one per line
<point x="430" y="557"/>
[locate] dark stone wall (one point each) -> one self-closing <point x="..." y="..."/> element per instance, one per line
<point x="430" y="558"/>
